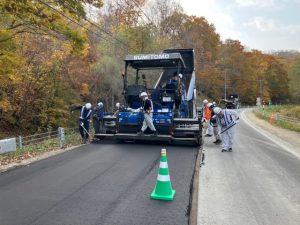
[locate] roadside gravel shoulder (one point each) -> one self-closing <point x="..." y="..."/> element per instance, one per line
<point x="288" y="139"/>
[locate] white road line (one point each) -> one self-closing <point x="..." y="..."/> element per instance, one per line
<point x="281" y="143"/>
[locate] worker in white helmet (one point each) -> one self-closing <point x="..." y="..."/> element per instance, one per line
<point x="213" y="122"/>
<point x="84" y="120"/>
<point x="227" y="118"/>
<point x="148" y="113"/>
<point x="118" y="106"/>
<point x="206" y="114"/>
<point x="98" y="115"/>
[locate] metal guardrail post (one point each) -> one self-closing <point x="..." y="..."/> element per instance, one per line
<point x="277" y="115"/>
<point x="20" y="142"/>
<point x="61" y="136"/>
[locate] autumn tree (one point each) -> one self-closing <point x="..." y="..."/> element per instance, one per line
<point x="37" y="39"/>
<point x="294" y="80"/>
<point x="277" y="80"/>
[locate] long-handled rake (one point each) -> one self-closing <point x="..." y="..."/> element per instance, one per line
<point x="81" y="124"/>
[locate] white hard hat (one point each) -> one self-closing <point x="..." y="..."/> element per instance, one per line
<point x="214" y="103"/>
<point x="88" y="105"/>
<point x="205" y="101"/>
<point x="180" y="76"/>
<point x="118" y="104"/>
<point x="100" y="104"/>
<point x="217" y="110"/>
<point x="143" y="94"/>
<point x="209" y="105"/>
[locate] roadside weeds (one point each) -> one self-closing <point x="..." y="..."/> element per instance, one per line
<point x="36" y="152"/>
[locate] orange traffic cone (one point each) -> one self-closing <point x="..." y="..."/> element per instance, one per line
<point x="272" y="118"/>
<point x="163" y="188"/>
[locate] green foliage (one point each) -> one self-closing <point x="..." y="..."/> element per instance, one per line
<point x="43" y="18"/>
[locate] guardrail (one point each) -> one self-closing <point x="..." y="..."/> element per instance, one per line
<point x="278" y="117"/>
<point x="59" y="134"/>
<point x="60" y="138"/>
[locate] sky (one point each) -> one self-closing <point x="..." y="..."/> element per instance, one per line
<point x="266" y="25"/>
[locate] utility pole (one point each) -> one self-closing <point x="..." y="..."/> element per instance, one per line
<point x="261" y="90"/>
<point x="225" y="85"/>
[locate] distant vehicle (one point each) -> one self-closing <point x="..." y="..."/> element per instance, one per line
<point x="232" y="102"/>
<point x="174" y="105"/>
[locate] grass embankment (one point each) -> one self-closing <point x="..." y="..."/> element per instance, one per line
<point x="32" y="150"/>
<point x="291" y="111"/>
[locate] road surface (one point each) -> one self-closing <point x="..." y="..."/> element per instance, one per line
<point x="258" y="183"/>
<point x="98" y="184"/>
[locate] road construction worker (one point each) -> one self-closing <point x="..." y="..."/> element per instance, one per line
<point x="147" y="109"/>
<point x="174" y="79"/>
<point x="84" y="121"/>
<point x="226" y="118"/>
<point x="98" y="115"/>
<point x="213" y="122"/>
<point x="118" y="106"/>
<point x="172" y="88"/>
<point x="206" y="114"/>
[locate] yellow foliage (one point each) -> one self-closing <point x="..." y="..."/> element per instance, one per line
<point x="84" y="89"/>
<point x="5" y="105"/>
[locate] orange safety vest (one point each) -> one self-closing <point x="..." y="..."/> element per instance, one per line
<point x="207" y="113"/>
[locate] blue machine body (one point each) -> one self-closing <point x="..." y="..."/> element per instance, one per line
<point x="175" y="116"/>
<point x="171" y="60"/>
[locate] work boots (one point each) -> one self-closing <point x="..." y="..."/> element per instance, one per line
<point x="140" y="133"/>
<point x="217" y="142"/>
<point x="154" y="134"/>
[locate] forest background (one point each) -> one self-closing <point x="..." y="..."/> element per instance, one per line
<point x="59" y="53"/>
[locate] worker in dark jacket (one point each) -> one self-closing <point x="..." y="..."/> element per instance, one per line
<point x="174" y="79"/>
<point x="84" y="120"/>
<point x="148" y="113"/>
<point x="98" y="115"/>
<point x="172" y="88"/>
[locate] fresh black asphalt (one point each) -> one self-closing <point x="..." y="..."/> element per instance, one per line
<point x="98" y="184"/>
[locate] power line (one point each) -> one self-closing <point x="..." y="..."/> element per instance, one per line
<point x="75" y="22"/>
<point x="106" y="32"/>
<point x="143" y="12"/>
<point x="137" y="5"/>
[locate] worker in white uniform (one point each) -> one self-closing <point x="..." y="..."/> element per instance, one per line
<point x="148" y="114"/>
<point x="227" y="119"/>
<point x="213" y="122"/>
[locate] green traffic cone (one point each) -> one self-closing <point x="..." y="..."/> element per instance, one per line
<point x="163" y="188"/>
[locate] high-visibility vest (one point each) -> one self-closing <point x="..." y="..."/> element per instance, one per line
<point x="206" y="113"/>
